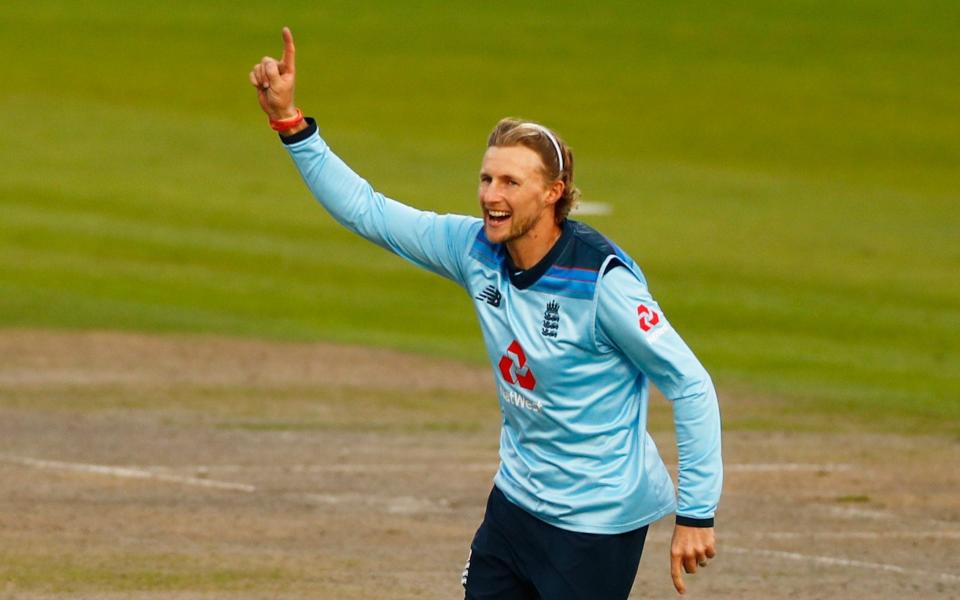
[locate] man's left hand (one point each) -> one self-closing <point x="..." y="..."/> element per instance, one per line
<point x="692" y="547"/>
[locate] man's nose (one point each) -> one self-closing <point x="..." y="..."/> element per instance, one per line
<point x="491" y="193"/>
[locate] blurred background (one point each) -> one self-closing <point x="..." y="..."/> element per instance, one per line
<point x="785" y="173"/>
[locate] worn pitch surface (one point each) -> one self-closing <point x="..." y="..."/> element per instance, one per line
<point x="149" y="467"/>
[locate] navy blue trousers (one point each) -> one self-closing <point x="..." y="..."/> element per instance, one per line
<point x="516" y="556"/>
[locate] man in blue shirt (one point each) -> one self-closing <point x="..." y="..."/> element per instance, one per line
<point x="573" y="336"/>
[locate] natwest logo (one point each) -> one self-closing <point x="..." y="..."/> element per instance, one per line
<point x="513" y="367"/>
<point x="648" y="317"/>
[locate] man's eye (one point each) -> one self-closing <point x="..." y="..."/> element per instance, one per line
<point x="514" y="182"/>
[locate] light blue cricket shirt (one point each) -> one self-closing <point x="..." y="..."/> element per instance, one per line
<point x="573" y="342"/>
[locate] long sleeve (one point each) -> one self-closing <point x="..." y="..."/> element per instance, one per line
<point x="434" y="242"/>
<point x="630" y="321"/>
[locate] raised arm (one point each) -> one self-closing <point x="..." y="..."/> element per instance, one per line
<point x="435" y="242"/>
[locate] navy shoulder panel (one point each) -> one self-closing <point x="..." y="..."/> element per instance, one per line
<point x="576" y="271"/>
<point x="587" y="250"/>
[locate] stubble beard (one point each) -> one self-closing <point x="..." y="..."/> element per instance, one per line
<point x="520" y="228"/>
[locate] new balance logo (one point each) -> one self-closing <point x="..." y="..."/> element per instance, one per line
<point x="490" y="295"/>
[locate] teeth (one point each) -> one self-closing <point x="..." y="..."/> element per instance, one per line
<point x="498" y="213"/>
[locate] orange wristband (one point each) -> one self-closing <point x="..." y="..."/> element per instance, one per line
<point x="285" y="124"/>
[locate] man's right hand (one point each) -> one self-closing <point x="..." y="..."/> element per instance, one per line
<point x="274" y="80"/>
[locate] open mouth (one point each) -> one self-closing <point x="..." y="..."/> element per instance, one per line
<point x="497" y="216"/>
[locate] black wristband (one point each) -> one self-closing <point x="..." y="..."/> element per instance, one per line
<point x="691" y="522"/>
<point x="301" y="135"/>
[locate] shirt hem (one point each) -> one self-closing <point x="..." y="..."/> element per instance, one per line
<point x="647" y="519"/>
<point x="609" y="529"/>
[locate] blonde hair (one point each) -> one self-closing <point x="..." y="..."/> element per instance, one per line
<point x="555" y="155"/>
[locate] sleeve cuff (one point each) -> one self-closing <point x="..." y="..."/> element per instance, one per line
<point x="691" y="522"/>
<point x="301" y="135"/>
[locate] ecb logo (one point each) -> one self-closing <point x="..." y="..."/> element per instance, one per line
<point x="513" y="367"/>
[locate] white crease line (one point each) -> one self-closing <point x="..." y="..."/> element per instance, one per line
<point x="392" y="504"/>
<point x="850" y="535"/>
<point x="724" y="535"/>
<point x="858" y="513"/>
<point x="390" y="468"/>
<point x="767" y="467"/>
<point x="841" y="562"/>
<point x="830" y="535"/>
<point x="474" y="466"/>
<point x="781" y="467"/>
<point x="845" y="512"/>
<point x="336" y="468"/>
<point x="127" y="472"/>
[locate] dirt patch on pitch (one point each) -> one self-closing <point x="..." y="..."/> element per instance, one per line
<point x="201" y="467"/>
<point x="45" y="358"/>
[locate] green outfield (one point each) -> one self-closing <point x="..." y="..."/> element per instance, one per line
<point x="785" y="173"/>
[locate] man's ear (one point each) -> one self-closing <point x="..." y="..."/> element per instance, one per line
<point x="554" y="192"/>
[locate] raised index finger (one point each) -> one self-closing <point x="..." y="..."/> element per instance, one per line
<point x="288" y="60"/>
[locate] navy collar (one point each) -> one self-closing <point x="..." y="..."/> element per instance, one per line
<point x="522" y="279"/>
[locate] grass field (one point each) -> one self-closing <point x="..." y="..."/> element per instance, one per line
<point x="785" y="173"/>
